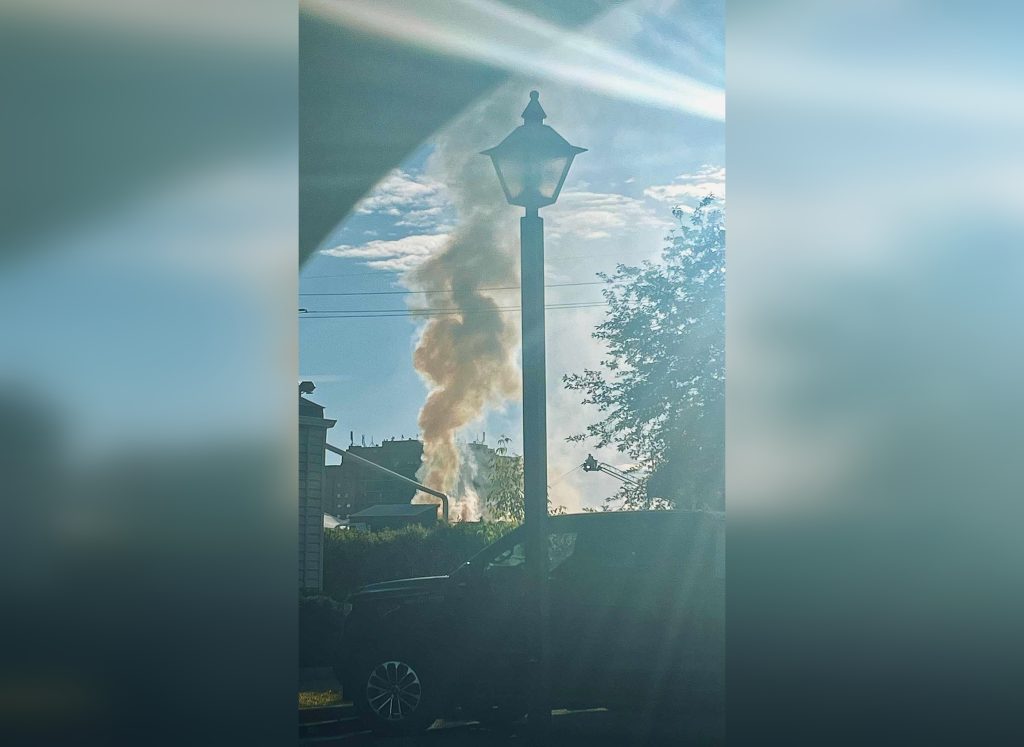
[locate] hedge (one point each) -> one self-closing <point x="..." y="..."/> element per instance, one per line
<point x="353" y="558"/>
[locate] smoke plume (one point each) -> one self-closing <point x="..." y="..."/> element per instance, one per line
<point x="468" y="353"/>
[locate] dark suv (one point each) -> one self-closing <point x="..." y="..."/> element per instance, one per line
<point x="637" y="603"/>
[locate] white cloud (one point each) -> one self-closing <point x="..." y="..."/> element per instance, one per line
<point x="601" y="215"/>
<point x="423" y="217"/>
<point x="397" y="255"/>
<point x="691" y="187"/>
<point x="323" y="378"/>
<point x="395" y="264"/>
<point x="419" y="200"/>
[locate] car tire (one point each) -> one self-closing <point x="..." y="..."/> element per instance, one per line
<point x="395" y="693"/>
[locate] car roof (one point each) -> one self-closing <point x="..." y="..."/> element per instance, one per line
<point x="636" y="516"/>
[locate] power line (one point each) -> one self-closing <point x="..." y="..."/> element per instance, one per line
<point x="550" y="256"/>
<point x="470" y="310"/>
<point x="445" y="290"/>
<point x="400" y="313"/>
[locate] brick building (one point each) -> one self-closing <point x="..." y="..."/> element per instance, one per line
<point x="352" y="486"/>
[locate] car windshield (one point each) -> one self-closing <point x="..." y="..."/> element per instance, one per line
<point x="561" y="546"/>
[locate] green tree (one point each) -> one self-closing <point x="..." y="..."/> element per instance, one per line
<point x="504" y="500"/>
<point x="661" y="386"/>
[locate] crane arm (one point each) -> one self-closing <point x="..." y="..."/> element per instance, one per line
<point x="592" y="465"/>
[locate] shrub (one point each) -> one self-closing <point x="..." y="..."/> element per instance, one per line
<point x="353" y="558"/>
<point x="320" y="620"/>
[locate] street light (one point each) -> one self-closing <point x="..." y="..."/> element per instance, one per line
<point x="532" y="163"/>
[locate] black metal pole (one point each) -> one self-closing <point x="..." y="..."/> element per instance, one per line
<point x="535" y="466"/>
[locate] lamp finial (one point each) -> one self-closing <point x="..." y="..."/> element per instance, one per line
<point x="533" y="111"/>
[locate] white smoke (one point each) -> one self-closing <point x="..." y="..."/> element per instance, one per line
<point x="468" y="353"/>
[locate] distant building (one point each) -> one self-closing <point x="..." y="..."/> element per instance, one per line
<point x="477" y="475"/>
<point x="312" y="437"/>
<point x="394" y="516"/>
<point x="352" y="486"/>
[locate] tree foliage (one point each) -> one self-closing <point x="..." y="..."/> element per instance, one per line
<point x="661" y="387"/>
<point x="505" y="499"/>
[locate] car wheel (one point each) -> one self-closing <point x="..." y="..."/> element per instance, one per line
<point x="395" y="694"/>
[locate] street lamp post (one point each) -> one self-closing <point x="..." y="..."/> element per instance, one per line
<point x="532" y="163"/>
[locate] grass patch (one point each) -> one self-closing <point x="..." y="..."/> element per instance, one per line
<point x="318" y="699"/>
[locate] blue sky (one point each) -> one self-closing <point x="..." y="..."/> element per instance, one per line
<point x="615" y="207"/>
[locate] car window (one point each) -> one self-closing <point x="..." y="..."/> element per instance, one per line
<point x="673" y="545"/>
<point x="612" y="547"/>
<point x="692" y="546"/>
<point x="561" y="546"/>
<point x="513" y="556"/>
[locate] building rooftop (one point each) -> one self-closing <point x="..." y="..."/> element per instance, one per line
<point x="333" y="522"/>
<point x="312" y="409"/>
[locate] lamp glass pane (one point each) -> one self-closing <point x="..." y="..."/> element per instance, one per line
<point x="531" y="181"/>
<point x="514" y="173"/>
<point x="550" y="172"/>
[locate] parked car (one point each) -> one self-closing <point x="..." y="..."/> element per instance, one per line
<point x="637" y="603"/>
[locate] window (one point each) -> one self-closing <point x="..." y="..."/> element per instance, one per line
<point x="615" y="547"/>
<point x="515" y="555"/>
<point x="560" y="548"/>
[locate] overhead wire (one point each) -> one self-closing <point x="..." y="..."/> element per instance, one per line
<point x="391" y="313"/>
<point x="446" y="290"/>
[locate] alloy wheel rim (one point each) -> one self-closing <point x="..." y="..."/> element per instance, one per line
<point x="393" y="690"/>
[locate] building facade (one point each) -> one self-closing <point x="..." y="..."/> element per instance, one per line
<point x="313" y="428"/>
<point x="352" y="486"/>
